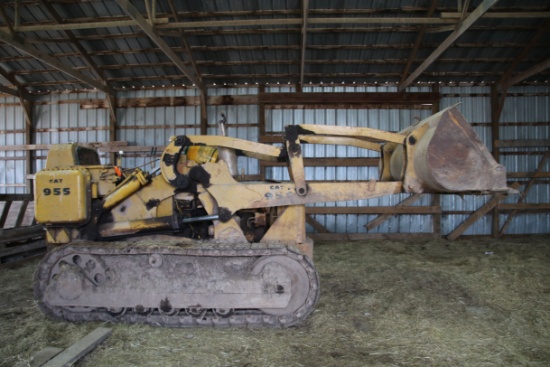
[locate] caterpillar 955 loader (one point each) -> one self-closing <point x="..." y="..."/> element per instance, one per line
<point x="193" y="244"/>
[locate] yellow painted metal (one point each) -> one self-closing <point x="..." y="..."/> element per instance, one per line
<point x="148" y="202"/>
<point x="68" y="155"/>
<point x="296" y="166"/>
<point x="251" y="149"/>
<point x="290" y="228"/>
<point x="130" y="185"/>
<point x="62" y="196"/>
<point x="340" y="140"/>
<point x="365" y="132"/>
<point x="235" y="196"/>
<point x="201" y="153"/>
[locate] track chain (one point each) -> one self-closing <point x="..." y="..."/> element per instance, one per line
<point x="240" y="318"/>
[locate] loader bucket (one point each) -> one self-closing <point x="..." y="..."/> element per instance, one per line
<point x="443" y="154"/>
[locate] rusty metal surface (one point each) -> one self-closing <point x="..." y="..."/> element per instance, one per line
<point x="177" y="285"/>
<point x="443" y="154"/>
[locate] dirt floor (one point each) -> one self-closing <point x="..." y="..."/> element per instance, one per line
<point x="383" y="303"/>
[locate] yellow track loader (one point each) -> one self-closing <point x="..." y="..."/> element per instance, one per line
<point x="192" y="243"/>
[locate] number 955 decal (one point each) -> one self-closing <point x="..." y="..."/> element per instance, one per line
<point x="57" y="191"/>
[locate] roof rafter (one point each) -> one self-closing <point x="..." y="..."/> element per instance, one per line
<point x="19" y="92"/>
<point x="418" y="42"/>
<point x="503" y="84"/>
<point x="527" y="73"/>
<point x="475" y="15"/>
<point x="185" y="42"/>
<point x="20" y="44"/>
<point x="150" y="30"/>
<point x="83" y="53"/>
<point x="305" y="10"/>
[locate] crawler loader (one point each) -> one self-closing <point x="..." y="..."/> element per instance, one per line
<point x="192" y="243"/>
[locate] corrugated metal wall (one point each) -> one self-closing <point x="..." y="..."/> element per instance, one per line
<point x="12" y="163"/>
<point x="59" y="114"/>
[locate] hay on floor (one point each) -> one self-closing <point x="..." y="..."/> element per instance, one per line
<point x="383" y="303"/>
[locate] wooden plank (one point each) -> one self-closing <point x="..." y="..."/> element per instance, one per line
<point x="97" y="145"/>
<point x="528" y="174"/>
<point x="80" y="348"/>
<point x="521" y="199"/>
<point x="373" y="210"/>
<point x="467" y="23"/>
<point x="5" y="213"/>
<point x="329" y="162"/>
<point x="41" y="357"/>
<point x="151" y="31"/>
<point x="484" y="209"/>
<point x="436" y="218"/>
<point x="21" y="214"/>
<point x="368" y="236"/>
<point x="347" y="98"/>
<point x="261" y="124"/>
<point x="528" y="73"/>
<point x="384" y="217"/>
<point x="16" y="197"/>
<point x="525" y="206"/>
<point x="316" y="225"/>
<point x="21" y="249"/>
<point x="522" y="143"/>
<point x="52" y="61"/>
<point x="9" y="235"/>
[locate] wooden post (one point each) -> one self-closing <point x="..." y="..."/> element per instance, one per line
<point x="204" y="113"/>
<point x="29" y="139"/>
<point x="111" y="103"/>
<point x="497" y="104"/>
<point x="261" y="124"/>
<point x="436" y="198"/>
<point x="484" y="209"/>
<point x="523" y="195"/>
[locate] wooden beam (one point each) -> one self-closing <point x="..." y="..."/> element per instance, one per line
<point x="305" y="10"/>
<point x="373" y="210"/>
<point x="99" y="145"/>
<point x="368" y="236"/>
<point x="417" y="43"/>
<point x="316" y="225"/>
<point x="526" y="206"/>
<point x="5" y="212"/>
<point x="523" y="143"/>
<point x="329" y="162"/>
<point x="501" y="15"/>
<point x="384" y="217"/>
<point x="468" y="22"/>
<point x="111" y="103"/>
<point x="41" y="357"/>
<point x="484" y="209"/>
<point x="503" y="82"/>
<point x="11" y="235"/>
<point x="527" y="73"/>
<point x="79" y="349"/>
<point x="150" y="30"/>
<point x="348" y="98"/>
<point x="204" y="112"/>
<point x="10" y="91"/>
<point x="20" y="44"/>
<point x="185" y="42"/>
<point x="523" y="195"/>
<point x="261" y="124"/>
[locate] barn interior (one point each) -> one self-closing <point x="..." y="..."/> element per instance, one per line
<point x="408" y="278"/>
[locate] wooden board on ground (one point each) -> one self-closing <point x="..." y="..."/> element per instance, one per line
<point x="80" y="348"/>
<point x="40" y="358"/>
